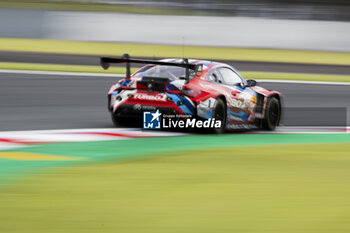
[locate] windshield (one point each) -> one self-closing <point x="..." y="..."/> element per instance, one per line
<point x="160" y="71"/>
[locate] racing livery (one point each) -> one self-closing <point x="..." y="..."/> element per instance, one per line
<point x="202" y="89"/>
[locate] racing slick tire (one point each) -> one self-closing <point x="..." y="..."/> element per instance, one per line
<point x="118" y="121"/>
<point x="272" y="114"/>
<point x="220" y="114"/>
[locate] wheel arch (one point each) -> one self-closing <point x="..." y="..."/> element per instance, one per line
<point x="274" y="94"/>
<point x="278" y="96"/>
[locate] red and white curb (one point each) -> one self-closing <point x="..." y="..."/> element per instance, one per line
<point x="16" y="139"/>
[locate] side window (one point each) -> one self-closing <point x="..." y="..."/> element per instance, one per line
<point x="213" y="76"/>
<point x="230" y="77"/>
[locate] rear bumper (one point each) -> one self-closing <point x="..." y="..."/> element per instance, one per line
<point x="135" y="111"/>
<point x="133" y="103"/>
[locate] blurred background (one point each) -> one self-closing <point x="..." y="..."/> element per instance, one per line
<point x="309" y="25"/>
<point x="65" y="167"/>
<point x="280" y="9"/>
<point x="264" y="40"/>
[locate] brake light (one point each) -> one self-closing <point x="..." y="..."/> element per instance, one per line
<point x="175" y="92"/>
<point x="191" y="92"/>
<point x="126" y="88"/>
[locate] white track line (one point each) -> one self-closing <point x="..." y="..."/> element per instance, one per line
<point x="8" y="146"/>
<point x="61" y="73"/>
<point x="121" y="76"/>
<point x="305" y="130"/>
<point x="302" y="82"/>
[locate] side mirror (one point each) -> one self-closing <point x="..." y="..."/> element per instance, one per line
<point x="251" y="83"/>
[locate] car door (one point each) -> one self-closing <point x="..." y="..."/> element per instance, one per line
<point x="240" y="99"/>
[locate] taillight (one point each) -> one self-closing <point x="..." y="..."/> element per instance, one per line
<point x="126" y="88"/>
<point x="175" y="92"/>
<point x="191" y="92"/>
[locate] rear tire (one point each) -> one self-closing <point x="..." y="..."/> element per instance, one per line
<point x="272" y="114"/>
<point x="220" y="114"/>
<point x="117" y="121"/>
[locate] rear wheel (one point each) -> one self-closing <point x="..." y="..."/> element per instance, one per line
<point x="220" y="114"/>
<point x="272" y="114"/>
<point x="117" y="121"/>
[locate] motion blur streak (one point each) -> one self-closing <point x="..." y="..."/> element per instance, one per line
<point x="34" y="157"/>
<point x="224" y="31"/>
<point x="80" y="102"/>
<point x="65" y="168"/>
<point x="283" y="188"/>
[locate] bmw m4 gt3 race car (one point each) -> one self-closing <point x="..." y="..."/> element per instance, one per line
<point x="202" y="89"/>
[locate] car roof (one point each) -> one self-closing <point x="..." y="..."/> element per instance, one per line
<point x="205" y="63"/>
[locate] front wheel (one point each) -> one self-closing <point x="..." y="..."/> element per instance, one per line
<point x="220" y="114"/>
<point x="272" y="114"/>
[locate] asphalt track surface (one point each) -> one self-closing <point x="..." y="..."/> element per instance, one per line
<point x="42" y="101"/>
<point x="27" y="57"/>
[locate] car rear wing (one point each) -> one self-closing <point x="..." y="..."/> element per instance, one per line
<point x="106" y="61"/>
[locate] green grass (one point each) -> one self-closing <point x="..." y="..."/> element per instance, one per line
<point x="281" y="188"/>
<point x="149" y="50"/>
<point x="121" y="70"/>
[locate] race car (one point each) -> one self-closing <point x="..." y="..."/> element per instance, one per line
<point x="197" y="88"/>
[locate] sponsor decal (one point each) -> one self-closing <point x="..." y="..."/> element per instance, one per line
<point x="140" y="107"/>
<point x="243" y="103"/>
<point x="237" y="103"/>
<point x="137" y="107"/>
<point x="254" y="99"/>
<point x="206" y="86"/>
<point x="158" y="97"/>
<point x="205" y="108"/>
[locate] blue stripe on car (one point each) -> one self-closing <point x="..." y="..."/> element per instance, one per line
<point x="187" y="106"/>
